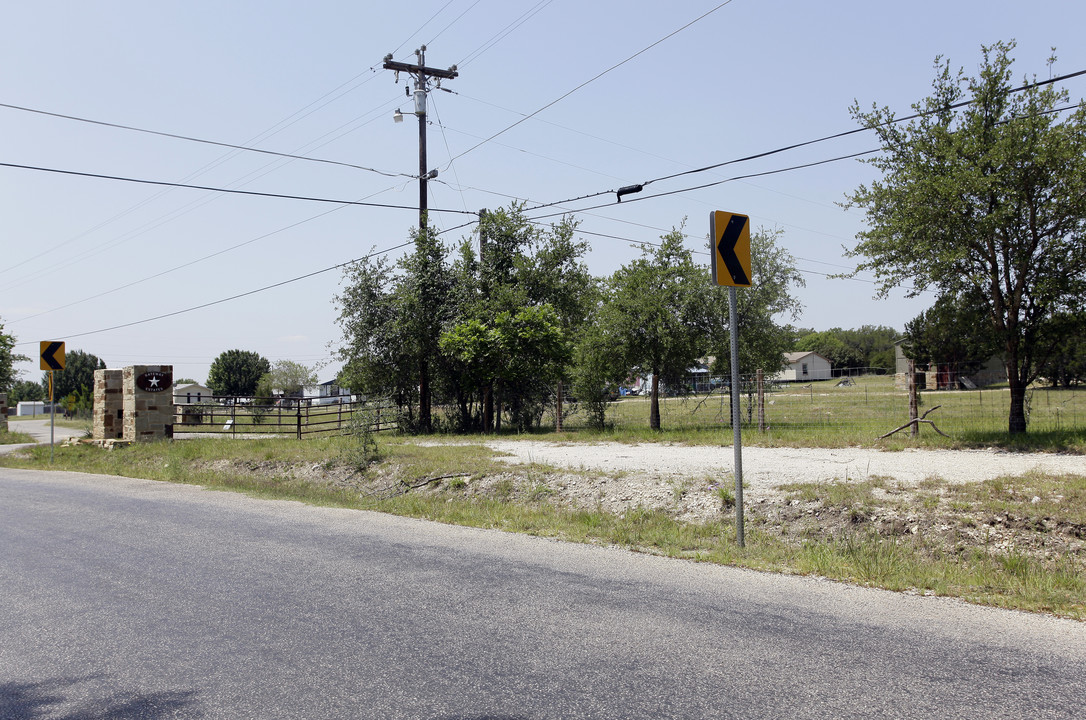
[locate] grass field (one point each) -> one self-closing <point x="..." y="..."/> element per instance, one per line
<point x="821" y="414"/>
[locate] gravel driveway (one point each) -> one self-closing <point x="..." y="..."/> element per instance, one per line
<point x="766" y="467"/>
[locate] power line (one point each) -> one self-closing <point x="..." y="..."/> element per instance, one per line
<point x="201" y="140"/>
<point x="182" y="266"/>
<point x="233" y="297"/>
<point x="173" y="215"/>
<point x="225" y="190"/>
<point x="454" y="21"/>
<point x="504" y="32"/>
<point x="593" y="79"/>
<point x="706" y="185"/>
<point x="794" y="146"/>
<point x="270" y="132"/>
<point x="423" y="26"/>
<point x="854" y="131"/>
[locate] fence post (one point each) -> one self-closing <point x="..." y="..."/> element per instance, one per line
<point x="299" y="420"/>
<point x="234" y="419"/>
<point x="558" y="418"/>
<point x="760" y="380"/>
<point x="915" y="431"/>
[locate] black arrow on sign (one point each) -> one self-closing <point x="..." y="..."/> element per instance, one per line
<point x="50" y="351"/>
<point x="726" y="248"/>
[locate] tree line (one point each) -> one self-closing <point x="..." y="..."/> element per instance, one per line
<point x="499" y="326"/>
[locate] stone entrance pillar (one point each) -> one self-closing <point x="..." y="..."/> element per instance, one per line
<point x="3" y="411"/>
<point x="108" y="413"/>
<point x="148" y="402"/>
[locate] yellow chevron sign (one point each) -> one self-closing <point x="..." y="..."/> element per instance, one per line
<point x="52" y="355"/>
<point x="730" y="234"/>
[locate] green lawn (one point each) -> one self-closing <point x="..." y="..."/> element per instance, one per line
<point x="823" y="414"/>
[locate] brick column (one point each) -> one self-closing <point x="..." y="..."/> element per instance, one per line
<point x="3" y="412"/>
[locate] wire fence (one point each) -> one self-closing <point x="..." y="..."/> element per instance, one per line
<point x="844" y="407"/>
<point x="865" y="406"/>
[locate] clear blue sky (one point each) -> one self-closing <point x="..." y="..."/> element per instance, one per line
<point x="305" y="78"/>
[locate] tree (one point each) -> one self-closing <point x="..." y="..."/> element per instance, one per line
<point x="77" y="376"/>
<point x="1066" y="363"/>
<point x="656" y="308"/>
<point x="517" y="350"/>
<point x="988" y="198"/>
<point x="288" y="377"/>
<point x="424" y="296"/>
<point x="870" y="346"/>
<point x="382" y="347"/>
<point x="8" y="374"/>
<point x="954" y="331"/>
<point x="25" y="391"/>
<point x="762" y="341"/>
<point x="236" y="372"/>
<point x="520" y="266"/>
<point x="595" y="374"/>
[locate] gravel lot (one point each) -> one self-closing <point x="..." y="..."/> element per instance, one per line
<point x="764" y="468"/>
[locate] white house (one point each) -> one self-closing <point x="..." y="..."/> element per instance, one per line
<point x="191" y="394"/>
<point x="327" y="393"/>
<point x="804" y="367"/>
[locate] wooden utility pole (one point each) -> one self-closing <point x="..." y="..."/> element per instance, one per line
<point x="422" y="76"/>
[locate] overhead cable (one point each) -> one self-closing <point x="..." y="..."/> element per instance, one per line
<point x="805" y="143"/>
<point x="592" y="79"/>
<point x="202" y="140"/>
<point x="233" y="297"/>
<point x="226" y="190"/>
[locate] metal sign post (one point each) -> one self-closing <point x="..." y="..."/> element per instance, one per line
<point x="729" y="235"/>
<point x="52" y="359"/>
<point x="737" y="434"/>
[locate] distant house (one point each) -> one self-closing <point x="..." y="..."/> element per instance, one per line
<point x="948" y="376"/>
<point x="804" y="367"/>
<point x="191" y="394"/>
<point x="327" y="393"/>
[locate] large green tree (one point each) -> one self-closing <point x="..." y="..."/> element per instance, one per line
<point x="392" y="318"/>
<point x="520" y="265"/>
<point x="237" y="372"/>
<point x="77" y="377"/>
<point x="424" y="296"/>
<point x="989" y="199"/>
<point x="656" y="309"/>
<point x="517" y="350"/>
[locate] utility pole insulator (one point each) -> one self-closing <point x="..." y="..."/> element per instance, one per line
<point x="421" y="74"/>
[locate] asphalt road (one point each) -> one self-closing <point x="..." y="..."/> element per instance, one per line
<point x="124" y="598"/>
